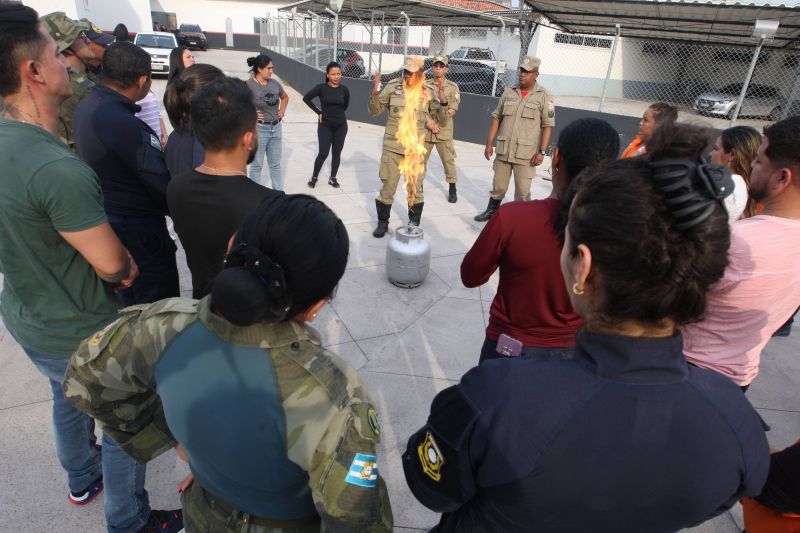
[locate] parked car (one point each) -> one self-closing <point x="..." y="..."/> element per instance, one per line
<point x="478" y="55"/>
<point x="759" y="101"/>
<point x="158" y="44"/>
<point x="191" y="36"/>
<point x="352" y="63"/>
<point x="470" y="76"/>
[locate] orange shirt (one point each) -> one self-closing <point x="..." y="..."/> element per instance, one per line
<point x="635" y="148"/>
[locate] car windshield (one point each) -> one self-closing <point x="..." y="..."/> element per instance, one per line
<point x="458" y="54"/>
<point x="155" y="41"/>
<point x="191" y="27"/>
<point x="478" y="54"/>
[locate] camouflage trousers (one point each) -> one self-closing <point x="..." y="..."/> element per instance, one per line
<point x="203" y="513"/>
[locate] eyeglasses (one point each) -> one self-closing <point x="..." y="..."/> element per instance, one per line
<point x="439" y="65"/>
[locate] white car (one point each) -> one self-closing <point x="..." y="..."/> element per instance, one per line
<point x="158" y="44"/>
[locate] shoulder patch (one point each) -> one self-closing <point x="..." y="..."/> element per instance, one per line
<point x="430" y="457"/>
<point x="373" y="422"/>
<point x="363" y="471"/>
<point x="154" y="142"/>
<point x="97" y="338"/>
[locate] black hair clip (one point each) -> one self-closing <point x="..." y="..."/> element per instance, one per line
<point x="691" y="190"/>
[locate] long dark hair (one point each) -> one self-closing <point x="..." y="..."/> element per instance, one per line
<point x="745" y="140"/>
<point x="258" y="62"/>
<point x="289" y="254"/>
<point x="176" y="62"/>
<point x="653" y="260"/>
<point x="178" y="96"/>
<point x="121" y="33"/>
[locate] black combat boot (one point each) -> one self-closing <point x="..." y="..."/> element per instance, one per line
<point x="415" y="213"/>
<point x="451" y="196"/>
<point x="490" y="209"/>
<point x="383" y="219"/>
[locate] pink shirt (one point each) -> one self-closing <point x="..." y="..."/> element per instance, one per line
<point x="758" y="293"/>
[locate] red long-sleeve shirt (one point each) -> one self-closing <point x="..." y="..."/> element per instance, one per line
<point x="531" y="304"/>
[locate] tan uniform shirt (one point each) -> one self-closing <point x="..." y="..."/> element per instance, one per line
<point x="391" y="98"/>
<point x="439" y="112"/>
<point x="521" y="123"/>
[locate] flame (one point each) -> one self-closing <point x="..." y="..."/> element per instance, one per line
<point x="408" y="132"/>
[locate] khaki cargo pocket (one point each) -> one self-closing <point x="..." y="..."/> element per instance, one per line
<point x="509" y="107"/>
<point x="525" y="149"/>
<point x="502" y="145"/>
<point x="532" y="110"/>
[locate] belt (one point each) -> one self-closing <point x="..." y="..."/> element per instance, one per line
<point x="236" y="515"/>
<point x="269" y="122"/>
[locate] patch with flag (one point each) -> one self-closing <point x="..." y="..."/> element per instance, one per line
<point x="363" y="471"/>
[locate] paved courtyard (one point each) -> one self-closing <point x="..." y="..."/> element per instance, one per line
<point x="406" y="344"/>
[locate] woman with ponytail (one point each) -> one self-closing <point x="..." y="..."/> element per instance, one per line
<point x="278" y="432"/>
<point x="184" y="152"/>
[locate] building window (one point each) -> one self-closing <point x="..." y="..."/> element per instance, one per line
<point x="582" y="40"/>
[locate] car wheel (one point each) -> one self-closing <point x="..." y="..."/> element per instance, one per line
<point x="775" y="114"/>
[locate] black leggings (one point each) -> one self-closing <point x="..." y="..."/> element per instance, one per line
<point x="328" y="135"/>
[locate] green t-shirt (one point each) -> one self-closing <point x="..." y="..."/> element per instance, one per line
<point x="51" y="297"/>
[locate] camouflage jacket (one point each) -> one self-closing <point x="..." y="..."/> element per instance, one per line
<point x="82" y="84"/>
<point x="332" y="426"/>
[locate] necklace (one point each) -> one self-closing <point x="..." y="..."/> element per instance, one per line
<point x="225" y="170"/>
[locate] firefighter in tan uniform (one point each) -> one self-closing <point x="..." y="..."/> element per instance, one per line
<point x="392" y="99"/>
<point x="445" y="98"/>
<point x="522" y="124"/>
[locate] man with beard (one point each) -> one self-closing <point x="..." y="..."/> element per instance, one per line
<point x="224" y="121"/>
<point x="761" y="287"/>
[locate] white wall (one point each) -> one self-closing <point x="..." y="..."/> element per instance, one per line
<point x="135" y="14"/>
<point x="211" y="14"/>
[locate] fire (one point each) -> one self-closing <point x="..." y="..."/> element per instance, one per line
<point x="408" y="132"/>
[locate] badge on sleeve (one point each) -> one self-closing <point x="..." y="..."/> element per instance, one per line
<point x="372" y="416"/>
<point x="154" y="142"/>
<point x="97" y="337"/>
<point x="363" y="471"/>
<point x="551" y="108"/>
<point x="430" y="457"/>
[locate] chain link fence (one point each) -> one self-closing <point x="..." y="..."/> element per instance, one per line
<point x="704" y="82"/>
<point x="478" y="55"/>
<point x="605" y="73"/>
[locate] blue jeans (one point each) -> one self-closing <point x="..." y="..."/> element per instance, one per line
<point x="269" y="143"/>
<point x="126" y="503"/>
<point x="489" y="351"/>
<point x="149" y="242"/>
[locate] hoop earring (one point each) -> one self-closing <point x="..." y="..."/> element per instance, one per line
<point x="575" y="289"/>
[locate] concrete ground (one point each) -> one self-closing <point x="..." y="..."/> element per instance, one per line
<point x="406" y="344"/>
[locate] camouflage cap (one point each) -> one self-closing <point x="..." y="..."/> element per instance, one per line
<point x="530" y="63"/>
<point x="441" y="58"/>
<point x="63" y="29"/>
<point x="412" y="63"/>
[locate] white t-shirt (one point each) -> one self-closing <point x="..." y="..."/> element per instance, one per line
<point x="736" y="202"/>
<point x="150" y="113"/>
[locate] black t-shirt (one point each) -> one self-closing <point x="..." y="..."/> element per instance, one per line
<point x="183" y="152"/>
<point x="207" y="210"/>
<point x="334" y="102"/>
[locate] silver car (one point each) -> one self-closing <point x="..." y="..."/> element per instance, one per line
<point x="760" y="101"/>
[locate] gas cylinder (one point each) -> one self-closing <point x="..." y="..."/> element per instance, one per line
<point x="408" y="257"/>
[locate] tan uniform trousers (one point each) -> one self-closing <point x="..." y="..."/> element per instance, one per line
<point x="523" y="176"/>
<point x="390" y="176"/>
<point x="447" y="153"/>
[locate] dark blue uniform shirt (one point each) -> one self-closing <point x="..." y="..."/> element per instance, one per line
<point x="627" y="437"/>
<point x="124" y="152"/>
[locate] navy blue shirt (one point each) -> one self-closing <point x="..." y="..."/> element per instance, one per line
<point x="124" y="152"/>
<point x="627" y="437"/>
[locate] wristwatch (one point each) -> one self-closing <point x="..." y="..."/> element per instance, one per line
<point x="542" y="152"/>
